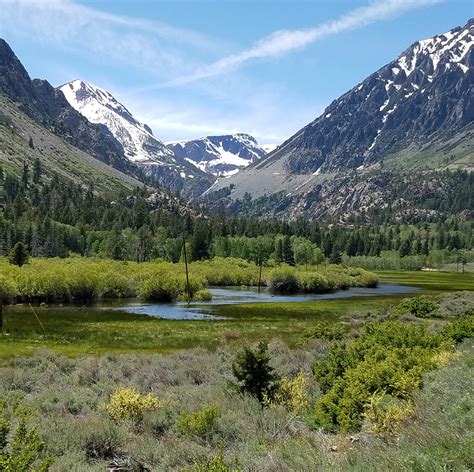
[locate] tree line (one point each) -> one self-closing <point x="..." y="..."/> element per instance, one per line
<point x="56" y="218"/>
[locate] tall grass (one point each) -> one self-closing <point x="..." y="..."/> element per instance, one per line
<point x="82" y="280"/>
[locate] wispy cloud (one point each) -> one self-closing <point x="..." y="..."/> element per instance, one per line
<point x="152" y="46"/>
<point x="285" y="41"/>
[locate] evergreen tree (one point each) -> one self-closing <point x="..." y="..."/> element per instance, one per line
<point x="336" y="256"/>
<point x="405" y="248"/>
<point x="200" y="242"/>
<point x="287" y="251"/>
<point x="37" y="171"/>
<point x="115" y="244"/>
<point x="19" y="254"/>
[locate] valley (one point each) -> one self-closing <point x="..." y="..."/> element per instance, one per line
<point x="202" y="294"/>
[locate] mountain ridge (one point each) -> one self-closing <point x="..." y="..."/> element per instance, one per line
<point x="415" y="112"/>
<point x="220" y="155"/>
<point x="140" y="145"/>
<point x="49" y="108"/>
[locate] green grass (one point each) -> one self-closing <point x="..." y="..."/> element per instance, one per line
<point x="430" y="281"/>
<point x="92" y="330"/>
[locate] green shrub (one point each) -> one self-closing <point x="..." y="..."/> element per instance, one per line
<point x="199" y="423"/>
<point x="367" y="279"/>
<point x="385" y="413"/>
<point x="83" y="286"/>
<point x="84" y="279"/>
<point x="215" y="464"/>
<point x="8" y="289"/>
<point x="421" y="307"/>
<point x="129" y="404"/>
<point x="203" y="296"/>
<point x="116" y="285"/>
<point x="313" y="282"/>
<point x="167" y="287"/>
<point x="329" y="331"/>
<point x="458" y="329"/>
<point x="389" y="356"/>
<point x="283" y="280"/>
<point x="292" y="393"/>
<point x="252" y="370"/>
<point x="20" y="443"/>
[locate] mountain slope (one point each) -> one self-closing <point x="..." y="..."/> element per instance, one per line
<point x="414" y="113"/>
<point x="140" y="145"/>
<point x="49" y="108"/>
<point x="100" y="107"/>
<point x="56" y="155"/>
<point x="220" y="155"/>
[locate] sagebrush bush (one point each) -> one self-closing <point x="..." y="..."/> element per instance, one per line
<point x="199" y="423"/>
<point x="101" y="438"/>
<point x="130" y="404"/>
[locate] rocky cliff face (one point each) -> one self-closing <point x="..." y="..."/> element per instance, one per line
<point x="424" y="94"/>
<point x="416" y="112"/>
<point x="48" y="107"/>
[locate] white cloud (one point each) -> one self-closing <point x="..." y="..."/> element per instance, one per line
<point x="284" y="41"/>
<point x="156" y="47"/>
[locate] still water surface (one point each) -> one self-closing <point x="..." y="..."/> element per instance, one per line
<point x="236" y="295"/>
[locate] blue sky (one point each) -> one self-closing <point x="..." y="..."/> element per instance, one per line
<point x="200" y="67"/>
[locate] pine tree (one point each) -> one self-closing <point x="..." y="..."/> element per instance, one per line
<point x="115" y="246"/>
<point x="19" y="254"/>
<point x="336" y="256"/>
<point x="287" y="251"/>
<point x="37" y="171"/>
<point x="200" y="242"/>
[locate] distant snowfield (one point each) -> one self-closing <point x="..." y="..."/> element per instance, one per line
<point x="221" y="156"/>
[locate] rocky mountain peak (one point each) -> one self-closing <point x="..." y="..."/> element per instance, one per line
<point x="220" y="155"/>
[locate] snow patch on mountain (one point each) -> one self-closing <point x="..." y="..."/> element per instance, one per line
<point x="100" y="107"/>
<point x="220" y="155"/>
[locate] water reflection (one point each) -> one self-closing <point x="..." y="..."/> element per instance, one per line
<point x="235" y="295"/>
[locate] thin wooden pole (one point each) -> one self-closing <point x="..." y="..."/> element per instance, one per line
<point x="186" y="266"/>
<point x="37" y="317"/>
<point x="1" y="315"/>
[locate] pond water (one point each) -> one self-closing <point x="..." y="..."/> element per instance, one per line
<point x="236" y="295"/>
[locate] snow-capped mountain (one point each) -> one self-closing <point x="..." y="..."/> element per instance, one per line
<point x="426" y="90"/>
<point x="220" y="155"/>
<point x="413" y="114"/>
<point x="137" y="139"/>
<point x="100" y="107"/>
